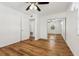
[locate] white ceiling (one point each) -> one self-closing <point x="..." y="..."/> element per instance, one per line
<point x="51" y="8"/>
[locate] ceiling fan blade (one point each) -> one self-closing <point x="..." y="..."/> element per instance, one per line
<point x="28" y="7"/>
<point x="43" y="2"/>
<point x="38" y="8"/>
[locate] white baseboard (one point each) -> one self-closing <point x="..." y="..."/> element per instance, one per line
<point x="70" y="48"/>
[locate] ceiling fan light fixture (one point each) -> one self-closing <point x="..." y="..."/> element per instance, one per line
<point x="33" y="7"/>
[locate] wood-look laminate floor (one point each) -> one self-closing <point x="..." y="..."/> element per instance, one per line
<point x="54" y="46"/>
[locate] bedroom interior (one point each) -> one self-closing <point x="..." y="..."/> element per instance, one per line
<point x="39" y="28"/>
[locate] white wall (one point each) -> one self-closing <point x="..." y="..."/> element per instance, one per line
<point x="71" y="33"/>
<point x="57" y="25"/>
<point x="42" y="26"/>
<point x="10" y="29"/>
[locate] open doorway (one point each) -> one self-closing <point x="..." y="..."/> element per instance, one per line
<point x="56" y="27"/>
<point x="32" y="28"/>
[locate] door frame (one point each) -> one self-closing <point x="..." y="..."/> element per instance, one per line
<point x="61" y="20"/>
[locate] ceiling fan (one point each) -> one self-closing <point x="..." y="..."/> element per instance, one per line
<point x="34" y="5"/>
